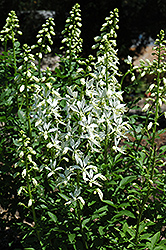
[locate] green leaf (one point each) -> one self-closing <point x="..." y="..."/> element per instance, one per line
<point x="132" y="232"/>
<point x="101" y="209"/>
<point x="76" y="229"/>
<point x="3" y="118"/>
<point x="59" y="73"/>
<point x="125" y="213"/>
<point x="160" y="248"/>
<point x="142" y="226"/>
<point x="162" y="149"/>
<point x="155" y="239"/>
<point x="63" y="103"/>
<point x="101" y="232"/>
<point x="64" y="197"/>
<point x="16" y="143"/>
<point x="52" y="216"/>
<point x="84" y="222"/>
<point x="91" y="203"/>
<point x="145" y="236"/>
<point x="109" y="203"/>
<point x="21" y="248"/>
<point x="43" y="206"/>
<point x="126" y="180"/>
<point x="29" y="248"/>
<point x="71" y="237"/>
<point x="126" y="204"/>
<point x="125" y="227"/>
<point x="163" y="242"/>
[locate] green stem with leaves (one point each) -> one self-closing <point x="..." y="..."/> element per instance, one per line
<point x="106" y="125"/>
<point x="80" y="225"/>
<point x="152" y="155"/>
<point x="14" y="53"/>
<point x="26" y="160"/>
<point x="31" y="198"/>
<point x="6" y="56"/>
<point x="27" y="108"/>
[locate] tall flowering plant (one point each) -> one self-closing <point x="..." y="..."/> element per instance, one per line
<point x="10" y="32"/>
<point x="107" y="91"/>
<point x="65" y="133"/>
<point x="146" y="156"/>
<point x="89" y="117"/>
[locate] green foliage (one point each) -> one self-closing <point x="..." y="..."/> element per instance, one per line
<point x="73" y="183"/>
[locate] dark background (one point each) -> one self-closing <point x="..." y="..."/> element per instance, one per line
<point x="136" y="17"/>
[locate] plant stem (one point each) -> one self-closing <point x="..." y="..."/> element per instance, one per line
<point x="152" y="155"/>
<point x="31" y="198"/>
<point x="27" y="108"/>
<point x="106" y="145"/>
<point x="14" y="53"/>
<point x="80" y="225"/>
<point x="106" y="128"/>
<point x="6" y="56"/>
<point x="39" y="65"/>
<point x="143" y="133"/>
<point x="140" y="217"/>
<point x="26" y="162"/>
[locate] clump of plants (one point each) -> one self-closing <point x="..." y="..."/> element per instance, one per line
<point x="68" y="166"/>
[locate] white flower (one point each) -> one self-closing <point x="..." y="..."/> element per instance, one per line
<point x="20" y="68"/>
<point x="48" y="49"/>
<point x="151" y="182"/>
<point x="105" y="37"/>
<point x="20" y="190"/>
<point x="38" y="123"/>
<point x="129" y="58"/>
<point x="22" y="88"/>
<point x="29" y="157"/>
<point x="34" y="181"/>
<point x="49" y="85"/>
<point x="40" y="55"/>
<point x="150" y="125"/>
<point x="35" y="79"/>
<point x="145" y="108"/>
<point x="39" y="41"/>
<point x="100" y="193"/>
<point x="133" y="78"/>
<point x="28" y="74"/>
<point x="30" y="203"/>
<point x="24" y="173"/>
<point x="76" y="196"/>
<point x="82" y="80"/>
<point x="164" y="81"/>
<point x="49" y="145"/>
<point x="21" y="154"/>
<point x="151" y="87"/>
<point x="160" y="102"/>
<point x="92" y="179"/>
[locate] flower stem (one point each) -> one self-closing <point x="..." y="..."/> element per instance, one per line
<point x="31" y="198"/>
<point x="80" y="225"/>
<point x="14" y="53"/>
<point x="152" y="155"/>
<point x="27" y="108"/>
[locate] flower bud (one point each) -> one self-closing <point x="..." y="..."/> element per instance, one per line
<point x="145" y="108"/>
<point x="150" y="125"/>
